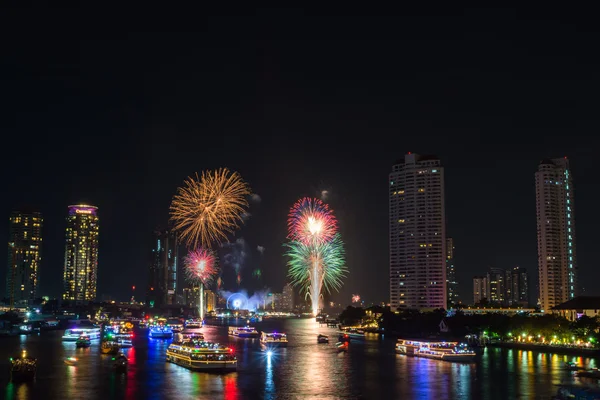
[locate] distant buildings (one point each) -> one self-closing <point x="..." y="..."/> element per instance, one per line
<point x="287" y="300"/>
<point x="557" y="260"/>
<point x="502" y="287"/>
<point x="451" y="283"/>
<point x="162" y="280"/>
<point x="24" y="257"/>
<point x="191" y="296"/>
<point x="417" y="234"/>
<point x="210" y="300"/>
<point x="81" y="254"/>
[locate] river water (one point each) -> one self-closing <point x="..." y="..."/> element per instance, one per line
<point x="305" y="370"/>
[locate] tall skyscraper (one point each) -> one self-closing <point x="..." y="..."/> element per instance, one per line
<point x="480" y="289"/>
<point x="496" y="289"/>
<point x="417" y="234"/>
<point x="557" y="261"/>
<point x="287" y="302"/>
<point x="164" y="261"/>
<point x="519" y="287"/>
<point x="210" y="300"/>
<point x="24" y="257"/>
<point x="81" y="254"/>
<point x="451" y="283"/>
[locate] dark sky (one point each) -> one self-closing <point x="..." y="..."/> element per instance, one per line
<point x="95" y="113"/>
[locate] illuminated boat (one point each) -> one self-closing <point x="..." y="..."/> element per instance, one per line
<point x="175" y="324"/>
<point x="188" y="336"/>
<point x="161" y="332"/>
<point x="342" y="346"/>
<point x="446" y="351"/>
<point x="243" y="332"/>
<point x="73" y="334"/>
<point x="193" y="324"/>
<point x="273" y="339"/>
<point x="354" y="332"/>
<point x="109" y="347"/>
<point x="23" y="368"/>
<point x="83" y="342"/>
<point x="202" y="356"/>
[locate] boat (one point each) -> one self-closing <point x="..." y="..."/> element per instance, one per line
<point x="83" y="342"/>
<point x="109" y="347"/>
<point x="120" y="365"/>
<point x="354" y="332"/>
<point x="190" y="335"/>
<point x="589" y="373"/>
<point x="161" y="332"/>
<point x="175" y="324"/>
<point x="73" y="334"/>
<point x="243" y="332"/>
<point x="193" y="324"/>
<point x="446" y="351"/>
<point x="571" y="366"/>
<point x="72" y="361"/>
<point x="23" y="368"/>
<point x="322" y="339"/>
<point x="342" y="346"/>
<point x="343" y="338"/>
<point x="202" y="356"/>
<point x="570" y="392"/>
<point x="273" y="339"/>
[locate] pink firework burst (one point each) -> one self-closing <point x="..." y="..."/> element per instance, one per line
<point x="201" y="266"/>
<point x="311" y="222"/>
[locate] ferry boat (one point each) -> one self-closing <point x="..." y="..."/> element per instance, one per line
<point x="83" y="341"/>
<point x="202" y="356"/>
<point x="446" y="351"/>
<point x="243" y="332"/>
<point x="161" y="332"/>
<point x="193" y="324"/>
<point x="73" y="334"/>
<point x="273" y="339"/>
<point x="23" y="368"/>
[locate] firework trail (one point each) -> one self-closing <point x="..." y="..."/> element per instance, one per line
<point x="235" y="256"/>
<point x="201" y="266"/>
<point x="311" y="222"/>
<point x="315" y="251"/>
<point x="209" y="207"/>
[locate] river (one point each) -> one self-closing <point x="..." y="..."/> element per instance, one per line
<point x="305" y="370"/>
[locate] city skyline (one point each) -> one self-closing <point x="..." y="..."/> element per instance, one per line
<point x="121" y="123"/>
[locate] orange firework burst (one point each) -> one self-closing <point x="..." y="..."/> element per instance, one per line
<point x="209" y="207"/>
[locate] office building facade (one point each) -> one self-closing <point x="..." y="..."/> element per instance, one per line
<point x="162" y="280"/>
<point x="480" y="289"/>
<point x="417" y="234"/>
<point x="80" y="275"/>
<point x="451" y="283"/>
<point x="24" y="257"/>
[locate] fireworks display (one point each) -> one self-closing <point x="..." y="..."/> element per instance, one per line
<point x="201" y="266"/>
<point x="311" y="222"/>
<point x="315" y="250"/>
<point x="355" y="298"/>
<point x="209" y="207"/>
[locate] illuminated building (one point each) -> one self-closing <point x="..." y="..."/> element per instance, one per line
<point x="24" y="257"/>
<point x="417" y="234"/>
<point x="496" y="288"/>
<point x="452" y="285"/>
<point x="287" y="300"/>
<point x="480" y="289"/>
<point x="211" y="300"/>
<point x="557" y="261"/>
<point x="191" y="296"/>
<point x="519" y="294"/>
<point x="162" y="282"/>
<point x="81" y="254"/>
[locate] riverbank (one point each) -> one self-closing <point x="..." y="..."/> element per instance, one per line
<point x="573" y="351"/>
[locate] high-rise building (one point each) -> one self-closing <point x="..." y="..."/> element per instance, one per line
<point x="24" y="257"/>
<point x="519" y="287"/>
<point x="81" y="254"/>
<point x="287" y="302"/>
<point x="211" y="300"/>
<point x="162" y="282"/>
<point x="417" y="234"/>
<point x="451" y="283"/>
<point x="557" y="261"/>
<point x="480" y="289"/>
<point x="496" y="289"/>
<point x="191" y="296"/>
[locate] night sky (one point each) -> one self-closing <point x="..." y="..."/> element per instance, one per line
<point x="298" y="105"/>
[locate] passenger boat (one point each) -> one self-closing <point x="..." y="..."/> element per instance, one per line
<point x="243" y="332"/>
<point x="193" y="324"/>
<point x="322" y="339"/>
<point x="202" y="356"/>
<point x="73" y="334"/>
<point x="23" y="368"/>
<point x="72" y="361"/>
<point x="354" y="332"/>
<point x="83" y="341"/>
<point x="175" y="324"/>
<point x="446" y="351"/>
<point x="273" y="339"/>
<point x="161" y="332"/>
<point x="189" y="336"/>
<point x="109" y="347"/>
